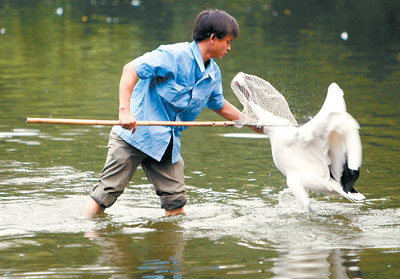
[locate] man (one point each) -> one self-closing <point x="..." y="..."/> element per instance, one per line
<point x="172" y="83"/>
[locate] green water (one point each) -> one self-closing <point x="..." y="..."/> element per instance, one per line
<point x="240" y="222"/>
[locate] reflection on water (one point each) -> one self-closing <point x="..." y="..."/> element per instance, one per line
<point x="223" y="233"/>
<point x="309" y="263"/>
<point x="172" y="260"/>
<point x="164" y="258"/>
<point x="64" y="59"/>
<point x="130" y="250"/>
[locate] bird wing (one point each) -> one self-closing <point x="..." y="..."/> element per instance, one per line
<point x="343" y="143"/>
<point x="333" y="134"/>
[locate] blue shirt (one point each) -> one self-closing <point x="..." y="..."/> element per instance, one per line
<point x="174" y="85"/>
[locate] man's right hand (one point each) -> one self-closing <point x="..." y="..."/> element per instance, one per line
<point x="127" y="120"/>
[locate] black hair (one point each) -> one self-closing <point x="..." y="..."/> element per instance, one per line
<point x="216" y="22"/>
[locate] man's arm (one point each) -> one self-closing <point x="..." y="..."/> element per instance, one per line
<point x="229" y="111"/>
<point x="128" y="80"/>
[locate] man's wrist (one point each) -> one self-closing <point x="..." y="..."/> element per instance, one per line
<point x="123" y="109"/>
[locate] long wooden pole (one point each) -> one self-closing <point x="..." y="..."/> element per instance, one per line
<point x="139" y="123"/>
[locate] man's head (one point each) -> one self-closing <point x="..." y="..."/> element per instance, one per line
<point x="214" y="23"/>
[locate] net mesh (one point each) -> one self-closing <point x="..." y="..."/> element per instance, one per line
<point x="262" y="104"/>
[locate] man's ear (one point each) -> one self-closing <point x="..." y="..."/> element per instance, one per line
<point x="212" y="37"/>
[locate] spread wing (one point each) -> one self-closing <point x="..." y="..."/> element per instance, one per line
<point x="333" y="134"/>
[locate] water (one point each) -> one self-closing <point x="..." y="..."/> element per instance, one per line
<point x="64" y="59"/>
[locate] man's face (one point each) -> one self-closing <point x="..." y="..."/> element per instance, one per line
<point x="221" y="46"/>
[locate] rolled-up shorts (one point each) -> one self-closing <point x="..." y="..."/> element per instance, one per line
<point x="122" y="161"/>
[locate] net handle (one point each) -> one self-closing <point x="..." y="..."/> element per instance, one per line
<point x="139" y="123"/>
<point x="235" y="123"/>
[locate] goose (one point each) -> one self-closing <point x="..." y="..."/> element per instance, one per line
<point x="324" y="155"/>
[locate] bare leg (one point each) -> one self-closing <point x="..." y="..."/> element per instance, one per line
<point x="177" y="211"/>
<point x="92" y="208"/>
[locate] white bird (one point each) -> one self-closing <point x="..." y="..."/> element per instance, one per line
<point x="324" y="155"/>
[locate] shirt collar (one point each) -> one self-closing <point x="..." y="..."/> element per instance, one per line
<point x="199" y="59"/>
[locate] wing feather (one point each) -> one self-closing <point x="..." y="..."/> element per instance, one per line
<point x="334" y="134"/>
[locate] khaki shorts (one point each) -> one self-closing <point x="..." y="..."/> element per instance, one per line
<point x="122" y="162"/>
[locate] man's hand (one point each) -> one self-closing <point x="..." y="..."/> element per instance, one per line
<point x="126" y="85"/>
<point x="127" y="120"/>
<point x="258" y="129"/>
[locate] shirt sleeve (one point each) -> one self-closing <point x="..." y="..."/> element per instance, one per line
<point x="216" y="100"/>
<point x="158" y="62"/>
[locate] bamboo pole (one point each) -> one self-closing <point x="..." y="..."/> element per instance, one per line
<point x="139" y="123"/>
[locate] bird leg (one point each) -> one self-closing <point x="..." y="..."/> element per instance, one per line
<point x="300" y="194"/>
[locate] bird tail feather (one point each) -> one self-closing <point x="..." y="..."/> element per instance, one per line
<point x="353" y="197"/>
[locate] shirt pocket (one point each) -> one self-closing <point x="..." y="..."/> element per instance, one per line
<point x="176" y="95"/>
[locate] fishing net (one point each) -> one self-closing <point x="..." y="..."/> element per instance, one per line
<point x="262" y="104"/>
